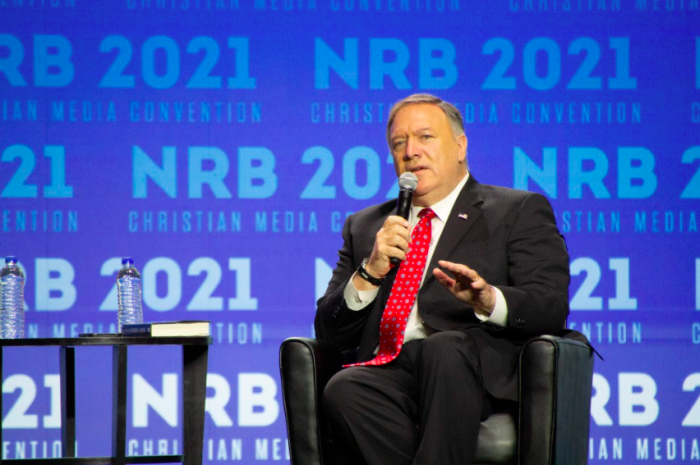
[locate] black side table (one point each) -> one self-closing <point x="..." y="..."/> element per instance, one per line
<point x="194" y="374"/>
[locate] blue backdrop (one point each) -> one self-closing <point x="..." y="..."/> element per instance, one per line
<point x="222" y="144"/>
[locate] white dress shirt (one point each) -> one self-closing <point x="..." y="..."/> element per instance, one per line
<point x="416" y="328"/>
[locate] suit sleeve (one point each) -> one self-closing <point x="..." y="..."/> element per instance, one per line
<point x="335" y="323"/>
<point x="538" y="270"/>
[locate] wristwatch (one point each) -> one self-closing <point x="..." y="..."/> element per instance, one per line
<point x="362" y="271"/>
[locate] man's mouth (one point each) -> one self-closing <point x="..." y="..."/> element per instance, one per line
<point x="417" y="169"/>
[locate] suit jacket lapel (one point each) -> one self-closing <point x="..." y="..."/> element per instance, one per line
<point x="464" y="214"/>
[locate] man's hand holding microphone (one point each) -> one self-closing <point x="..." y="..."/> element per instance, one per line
<point x="391" y="241"/>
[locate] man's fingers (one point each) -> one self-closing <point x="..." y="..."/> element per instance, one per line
<point x="397" y="241"/>
<point x="391" y="241"/>
<point x="393" y="246"/>
<point x="444" y="279"/>
<point x="461" y="272"/>
<point x="396" y="219"/>
<point x="398" y="231"/>
<point x="393" y="251"/>
<point x="457" y="269"/>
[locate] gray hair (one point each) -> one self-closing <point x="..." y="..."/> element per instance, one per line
<point x="454" y="117"/>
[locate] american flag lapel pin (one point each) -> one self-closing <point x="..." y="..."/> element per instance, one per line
<point x="463" y="216"/>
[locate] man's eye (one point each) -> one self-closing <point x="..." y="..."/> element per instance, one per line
<point x="427" y="136"/>
<point x="398" y="143"/>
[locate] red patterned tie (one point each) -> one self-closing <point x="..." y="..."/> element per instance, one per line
<point x="403" y="293"/>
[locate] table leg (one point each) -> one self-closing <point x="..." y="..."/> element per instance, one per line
<point x="67" y="401"/>
<point x="2" y="380"/>
<point x="194" y="379"/>
<point x="119" y="353"/>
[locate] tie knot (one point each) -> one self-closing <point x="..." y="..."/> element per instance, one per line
<point x="426" y="213"/>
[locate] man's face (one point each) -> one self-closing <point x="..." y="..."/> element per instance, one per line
<point x="423" y="143"/>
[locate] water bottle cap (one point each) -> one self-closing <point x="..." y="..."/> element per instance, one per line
<point x="128" y="260"/>
<point x="10" y="258"/>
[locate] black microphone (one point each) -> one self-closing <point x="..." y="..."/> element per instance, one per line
<point x="407" y="184"/>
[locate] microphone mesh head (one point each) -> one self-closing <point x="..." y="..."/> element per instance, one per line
<point x="408" y="181"/>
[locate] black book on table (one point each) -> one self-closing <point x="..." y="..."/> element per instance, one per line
<point x="168" y="329"/>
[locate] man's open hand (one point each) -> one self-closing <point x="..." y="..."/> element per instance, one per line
<point x="466" y="285"/>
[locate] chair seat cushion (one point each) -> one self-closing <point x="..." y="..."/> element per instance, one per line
<point x="497" y="443"/>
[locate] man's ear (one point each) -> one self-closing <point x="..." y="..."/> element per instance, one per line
<point x="462" y="143"/>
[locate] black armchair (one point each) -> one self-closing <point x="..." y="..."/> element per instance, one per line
<point x="549" y="427"/>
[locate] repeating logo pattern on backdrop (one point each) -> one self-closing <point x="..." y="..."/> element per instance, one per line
<point x="222" y="144"/>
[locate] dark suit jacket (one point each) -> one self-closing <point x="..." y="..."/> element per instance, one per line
<point x="509" y="237"/>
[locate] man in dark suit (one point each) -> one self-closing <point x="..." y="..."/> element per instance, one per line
<point x="497" y="274"/>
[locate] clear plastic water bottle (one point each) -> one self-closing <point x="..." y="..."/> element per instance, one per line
<point x="129" y="292"/>
<point x="11" y="300"/>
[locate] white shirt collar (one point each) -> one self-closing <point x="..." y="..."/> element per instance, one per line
<point x="443" y="208"/>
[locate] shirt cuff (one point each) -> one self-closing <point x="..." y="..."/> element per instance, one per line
<point x="499" y="316"/>
<point x="357" y="300"/>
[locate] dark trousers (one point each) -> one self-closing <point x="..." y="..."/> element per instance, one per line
<point x="424" y="408"/>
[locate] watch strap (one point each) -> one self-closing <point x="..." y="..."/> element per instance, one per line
<point x="362" y="271"/>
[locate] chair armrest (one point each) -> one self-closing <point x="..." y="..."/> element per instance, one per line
<point x="306" y="365"/>
<point x="556" y="376"/>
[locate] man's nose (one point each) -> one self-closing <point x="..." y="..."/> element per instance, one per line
<point x="411" y="148"/>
